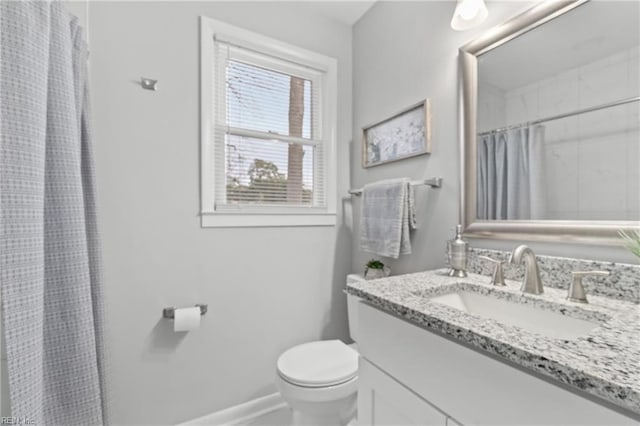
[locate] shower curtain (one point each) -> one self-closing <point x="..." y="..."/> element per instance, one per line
<point x="510" y="182"/>
<point x="49" y="258"/>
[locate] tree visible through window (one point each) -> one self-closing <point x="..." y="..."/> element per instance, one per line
<point x="267" y="109"/>
<point x="296" y="113"/>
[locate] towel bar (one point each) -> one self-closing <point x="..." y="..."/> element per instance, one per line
<point x="433" y="182"/>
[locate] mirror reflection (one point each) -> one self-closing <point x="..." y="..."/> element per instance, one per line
<point x="558" y="119"/>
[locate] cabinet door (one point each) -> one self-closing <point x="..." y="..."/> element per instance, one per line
<point x="382" y="401"/>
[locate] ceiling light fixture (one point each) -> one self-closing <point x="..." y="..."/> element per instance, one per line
<point x="468" y="14"/>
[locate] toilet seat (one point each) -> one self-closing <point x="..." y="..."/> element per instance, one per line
<point x="318" y="364"/>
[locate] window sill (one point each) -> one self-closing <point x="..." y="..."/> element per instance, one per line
<point x="246" y="220"/>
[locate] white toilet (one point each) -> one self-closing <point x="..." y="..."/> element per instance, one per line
<point x="319" y="379"/>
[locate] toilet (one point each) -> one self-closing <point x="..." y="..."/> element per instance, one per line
<point x="319" y="380"/>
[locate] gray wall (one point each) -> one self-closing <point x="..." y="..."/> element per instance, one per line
<point x="267" y="288"/>
<point x="402" y="53"/>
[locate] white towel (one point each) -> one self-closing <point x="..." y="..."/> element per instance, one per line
<point x="387" y="214"/>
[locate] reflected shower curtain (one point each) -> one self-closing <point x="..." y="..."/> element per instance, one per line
<point x="49" y="258"/>
<point x="511" y="174"/>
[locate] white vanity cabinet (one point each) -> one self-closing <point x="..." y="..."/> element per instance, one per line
<point x="384" y="401"/>
<point x="412" y="376"/>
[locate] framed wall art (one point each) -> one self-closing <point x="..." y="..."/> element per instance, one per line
<point x="404" y="135"/>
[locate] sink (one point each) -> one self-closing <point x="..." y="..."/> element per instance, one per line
<point x="527" y="317"/>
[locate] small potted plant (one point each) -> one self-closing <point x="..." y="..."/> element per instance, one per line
<point x="376" y="269"/>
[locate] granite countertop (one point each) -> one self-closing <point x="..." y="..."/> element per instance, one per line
<point x="604" y="363"/>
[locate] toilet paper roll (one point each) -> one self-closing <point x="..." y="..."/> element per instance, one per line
<point x="186" y="319"/>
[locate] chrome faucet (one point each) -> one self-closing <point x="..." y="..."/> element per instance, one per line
<point x="531" y="282"/>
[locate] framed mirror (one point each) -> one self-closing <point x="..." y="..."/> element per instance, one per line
<point x="550" y="120"/>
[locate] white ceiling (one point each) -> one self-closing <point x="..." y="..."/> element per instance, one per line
<point x="347" y="12"/>
<point x="592" y="31"/>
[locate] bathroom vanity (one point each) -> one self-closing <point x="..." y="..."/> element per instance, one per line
<point x="437" y="350"/>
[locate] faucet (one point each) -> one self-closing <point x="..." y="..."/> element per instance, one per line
<point x="531" y="282"/>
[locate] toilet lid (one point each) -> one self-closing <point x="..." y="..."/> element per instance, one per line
<point x="316" y="364"/>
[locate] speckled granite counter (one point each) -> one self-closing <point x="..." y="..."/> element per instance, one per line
<point x="604" y="363"/>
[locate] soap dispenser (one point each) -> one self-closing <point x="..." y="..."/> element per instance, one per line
<point x="457" y="253"/>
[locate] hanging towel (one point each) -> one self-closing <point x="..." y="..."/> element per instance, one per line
<point x="387" y="214"/>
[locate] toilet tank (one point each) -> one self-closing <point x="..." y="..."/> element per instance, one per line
<point x="352" y="312"/>
<point x="352" y="307"/>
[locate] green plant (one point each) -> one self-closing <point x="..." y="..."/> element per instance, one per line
<point x="375" y="264"/>
<point x="631" y="241"/>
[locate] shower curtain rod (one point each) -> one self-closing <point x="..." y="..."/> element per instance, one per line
<point x="559" y="116"/>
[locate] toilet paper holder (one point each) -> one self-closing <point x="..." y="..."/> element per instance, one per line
<point x="170" y="313"/>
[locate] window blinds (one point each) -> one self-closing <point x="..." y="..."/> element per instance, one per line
<point x="269" y="145"/>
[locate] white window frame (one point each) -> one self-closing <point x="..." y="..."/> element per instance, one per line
<point x="210" y="30"/>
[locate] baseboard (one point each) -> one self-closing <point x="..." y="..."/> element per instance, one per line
<point x="240" y="414"/>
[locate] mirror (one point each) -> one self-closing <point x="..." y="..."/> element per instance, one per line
<point x="550" y="124"/>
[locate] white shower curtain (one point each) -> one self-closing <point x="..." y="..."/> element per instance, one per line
<point x="49" y="258"/>
<point x="510" y="183"/>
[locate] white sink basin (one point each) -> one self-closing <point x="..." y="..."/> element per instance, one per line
<point x="527" y="317"/>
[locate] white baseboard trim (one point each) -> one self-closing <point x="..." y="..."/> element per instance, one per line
<point x="240" y="414"/>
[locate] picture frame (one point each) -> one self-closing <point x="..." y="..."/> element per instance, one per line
<point x="404" y="135"/>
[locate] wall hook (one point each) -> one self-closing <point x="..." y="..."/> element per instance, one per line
<point x="148" y="83"/>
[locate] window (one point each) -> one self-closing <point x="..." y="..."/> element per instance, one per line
<point x="268" y="131"/>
